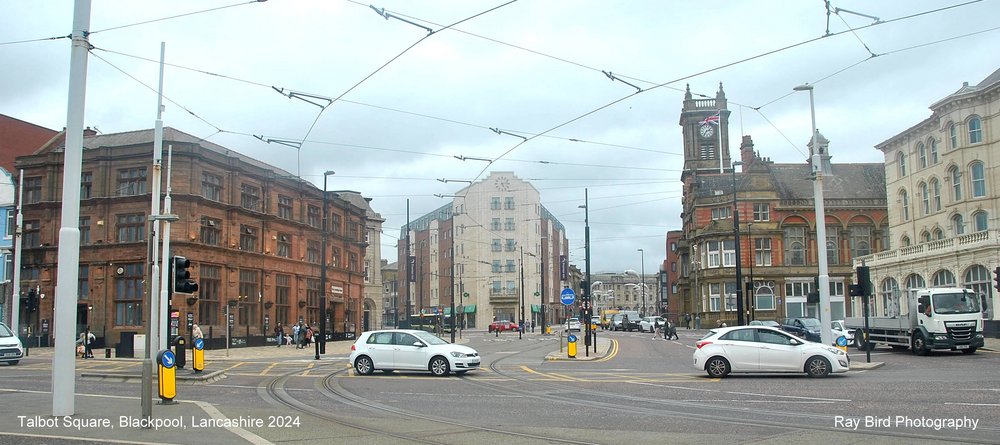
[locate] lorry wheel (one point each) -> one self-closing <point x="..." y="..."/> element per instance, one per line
<point x="862" y="345"/>
<point x="969" y="351"/>
<point x="919" y="344"/>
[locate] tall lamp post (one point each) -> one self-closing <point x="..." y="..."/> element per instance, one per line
<point x="642" y="279"/>
<point x="321" y="344"/>
<point x="751" y="304"/>
<point x="826" y="336"/>
<point x="586" y="290"/>
<point x="739" y="262"/>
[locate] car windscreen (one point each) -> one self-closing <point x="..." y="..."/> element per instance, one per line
<point x="4" y="332"/>
<point x="429" y="338"/>
<point x="810" y="323"/>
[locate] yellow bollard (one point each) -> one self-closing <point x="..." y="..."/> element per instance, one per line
<point x="198" y="355"/>
<point x="571" y="346"/>
<point x="167" y="376"/>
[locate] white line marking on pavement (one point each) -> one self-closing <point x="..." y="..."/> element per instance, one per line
<point x="78" y="438"/>
<point x="755" y="401"/>
<point x="972" y="404"/>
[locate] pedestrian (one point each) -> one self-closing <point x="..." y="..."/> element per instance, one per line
<point x="279" y="334"/>
<point x="687" y="320"/>
<point x="196" y="332"/>
<point x="657" y="330"/>
<point x="307" y="336"/>
<point x="697" y="320"/>
<point x="87" y="340"/>
<point x="295" y="334"/>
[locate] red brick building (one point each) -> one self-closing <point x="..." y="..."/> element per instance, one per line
<point x="19" y="138"/>
<point x="778" y="242"/>
<point x="252" y="232"/>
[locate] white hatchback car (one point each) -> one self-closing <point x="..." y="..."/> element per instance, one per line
<point x="11" y="350"/>
<point x="573" y="324"/>
<point x="411" y="350"/>
<point x="837" y="328"/>
<point x="763" y="349"/>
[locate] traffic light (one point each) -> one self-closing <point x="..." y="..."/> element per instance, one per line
<point x="182" y="277"/>
<point x="996" y="278"/>
<point x="813" y="297"/>
<point x="32" y="303"/>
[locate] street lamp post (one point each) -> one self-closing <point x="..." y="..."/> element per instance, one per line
<point x="321" y="344"/>
<point x="642" y="279"/>
<point x="739" y="262"/>
<point x="826" y="336"/>
<point x="751" y="304"/>
<point x="586" y="290"/>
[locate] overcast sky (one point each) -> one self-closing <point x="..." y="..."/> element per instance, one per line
<point x="410" y="101"/>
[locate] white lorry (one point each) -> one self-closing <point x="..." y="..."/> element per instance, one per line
<point x="936" y="318"/>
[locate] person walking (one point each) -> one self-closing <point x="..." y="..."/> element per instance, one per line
<point x="687" y="320"/>
<point x="196" y="332"/>
<point x="296" y="331"/>
<point x="307" y="336"/>
<point x="87" y="340"/>
<point x="279" y="334"/>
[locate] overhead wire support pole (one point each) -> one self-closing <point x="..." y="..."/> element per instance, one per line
<point x="387" y="15"/>
<point x="613" y="78"/>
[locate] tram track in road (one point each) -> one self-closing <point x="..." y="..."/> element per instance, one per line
<point x="276" y="393"/>
<point x="566" y="393"/>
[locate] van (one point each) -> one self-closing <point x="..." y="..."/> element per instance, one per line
<point x="625" y="321"/>
<point x="11" y="350"/>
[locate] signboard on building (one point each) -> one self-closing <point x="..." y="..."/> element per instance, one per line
<point x="411" y="268"/>
<point x="563" y="267"/>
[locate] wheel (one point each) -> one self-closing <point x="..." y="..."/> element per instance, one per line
<point x="859" y="342"/>
<point x="364" y="366"/>
<point x="964" y="351"/>
<point x="717" y="367"/>
<point x="817" y="367"/>
<point x="919" y="344"/>
<point x="439" y="366"/>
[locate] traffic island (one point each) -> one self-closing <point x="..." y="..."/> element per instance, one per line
<point x="182" y="378"/>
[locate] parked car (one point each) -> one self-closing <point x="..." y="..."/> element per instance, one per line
<point x="839" y="329"/>
<point x="650" y="324"/>
<point x="595" y="322"/>
<point x="572" y="324"/>
<point x="412" y="350"/>
<point x="11" y="349"/>
<point x="502" y="325"/>
<point x="768" y="323"/>
<point x="803" y="327"/>
<point x="763" y="349"/>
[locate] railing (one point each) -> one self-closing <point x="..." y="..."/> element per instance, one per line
<point x="978" y="240"/>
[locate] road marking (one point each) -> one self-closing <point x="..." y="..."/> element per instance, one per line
<point x="308" y="368"/>
<point x="213" y="412"/>
<point x="820" y="399"/>
<point x="972" y="404"/>
<point x="756" y="401"/>
<point x="549" y="376"/>
<point x="77" y="438"/>
<point x="234" y="366"/>
<point x="268" y="369"/>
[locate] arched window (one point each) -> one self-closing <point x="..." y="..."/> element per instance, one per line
<point x="904" y="241"/>
<point x="925" y="199"/>
<point x="979" y="221"/>
<point x="937" y="233"/>
<point x="977" y="278"/>
<point x="901" y="160"/>
<point x="915" y="281"/>
<point x="922" y="155"/>
<point x="861" y="240"/>
<point x="978" y="179"/>
<point x="956" y="183"/>
<point x="925" y="237"/>
<point x="795" y="246"/>
<point x="764" y="297"/>
<point x="958" y="224"/>
<point x="889" y="292"/>
<point x="935" y="195"/>
<point x="952" y="136"/>
<point x="933" y="151"/>
<point x="904" y="200"/>
<point x="944" y="278"/>
<point x="975" y="131"/>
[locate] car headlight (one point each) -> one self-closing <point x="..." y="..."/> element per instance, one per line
<point x="457" y="354"/>
<point x="835" y="351"/>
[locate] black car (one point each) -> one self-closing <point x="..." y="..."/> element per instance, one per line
<point x="803" y="327"/>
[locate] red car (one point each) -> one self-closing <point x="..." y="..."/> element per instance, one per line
<point x="503" y="325"/>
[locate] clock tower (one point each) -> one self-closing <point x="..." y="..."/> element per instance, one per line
<point x="703" y="120"/>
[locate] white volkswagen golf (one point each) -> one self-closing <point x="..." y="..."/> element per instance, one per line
<point x="765" y="350"/>
<point x="411" y="350"/>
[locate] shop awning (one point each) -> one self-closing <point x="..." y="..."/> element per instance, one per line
<point x="470" y="309"/>
<point x="536" y="308"/>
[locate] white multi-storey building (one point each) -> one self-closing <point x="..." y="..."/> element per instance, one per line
<point x="491" y="233"/>
<point x="943" y="184"/>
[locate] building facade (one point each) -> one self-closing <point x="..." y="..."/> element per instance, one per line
<point x="390" y="293"/>
<point x="944" y="181"/>
<point x="493" y="245"/>
<point x="670" y="272"/>
<point x="626" y="291"/>
<point x="777" y="225"/>
<point x="252" y="232"/>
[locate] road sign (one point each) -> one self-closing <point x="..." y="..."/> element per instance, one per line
<point x="167" y="359"/>
<point x="199" y="344"/>
<point x="567" y="296"/>
<point x="571" y="338"/>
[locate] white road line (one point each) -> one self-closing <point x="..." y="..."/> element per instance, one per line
<point x="756" y="401"/>
<point x="972" y="404"/>
<point x="248" y="436"/>
<point x="820" y="399"/>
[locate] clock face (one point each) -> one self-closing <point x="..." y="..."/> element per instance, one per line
<point x="706" y="130"/>
<point x="502" y="184"/>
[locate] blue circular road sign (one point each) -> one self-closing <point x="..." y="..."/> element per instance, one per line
<point x="167" y="358"/>
<point x="571" y="338"/>
<point x="567" y="296"/>
<point x="841" y="341"/>
<point x="199" y="343"/>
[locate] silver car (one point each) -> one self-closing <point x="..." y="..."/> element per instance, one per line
<point x="11" y="350"/>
